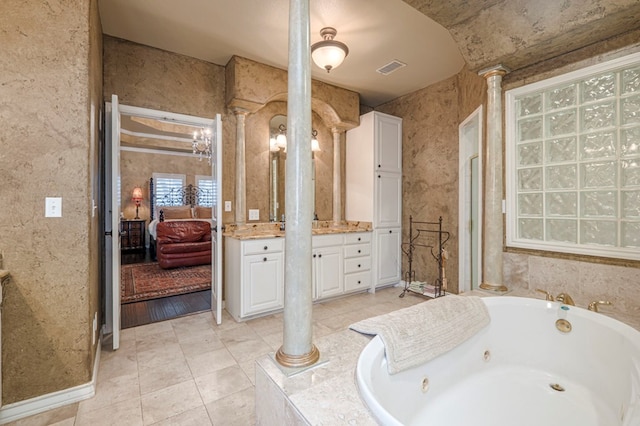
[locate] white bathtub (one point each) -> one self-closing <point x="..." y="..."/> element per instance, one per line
<point x="503" y="376"/>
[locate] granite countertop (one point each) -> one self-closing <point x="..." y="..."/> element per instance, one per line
<point x="253" y="231"/>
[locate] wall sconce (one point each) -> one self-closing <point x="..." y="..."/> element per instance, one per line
<point x="137" y="198"/>
<point x="328" y="53"/>
<point x="279" y="141"/>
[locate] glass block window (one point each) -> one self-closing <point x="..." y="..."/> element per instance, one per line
<point x="573" y="162"/>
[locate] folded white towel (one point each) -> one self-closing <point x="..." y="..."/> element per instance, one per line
<point x="417" y="334"/>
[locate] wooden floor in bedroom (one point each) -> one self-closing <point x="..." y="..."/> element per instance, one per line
<point x="165" y="308"/>
<point x="148" y="311"/>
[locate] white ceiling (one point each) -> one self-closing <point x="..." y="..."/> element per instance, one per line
<point x="376" y="32"/>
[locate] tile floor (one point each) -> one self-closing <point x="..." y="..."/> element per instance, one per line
<point x="189" y="371"/>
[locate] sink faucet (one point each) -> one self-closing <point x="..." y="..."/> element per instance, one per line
<point x="282" y="224"/>
<point x="565" y="299"/>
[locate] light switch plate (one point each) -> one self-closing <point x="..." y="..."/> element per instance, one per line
<point x="254" y="214"/>
<point x="53" y="207"/>
<point x="227" y="206"/>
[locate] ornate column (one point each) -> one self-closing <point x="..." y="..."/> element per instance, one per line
<point x="493" y="217"/>
<point x="297" y="350"/>
<point x="241" y="174"/>
<point x="337" y="176"/>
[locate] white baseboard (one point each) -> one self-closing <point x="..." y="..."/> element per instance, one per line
<point x="40" y="404"/>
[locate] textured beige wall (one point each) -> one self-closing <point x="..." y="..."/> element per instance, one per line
<point x="151" y="78"/>
<point x="50" y="107"/>
<point x="430" y="162"/>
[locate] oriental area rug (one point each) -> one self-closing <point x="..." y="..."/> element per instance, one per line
<point x="148" y="281"/>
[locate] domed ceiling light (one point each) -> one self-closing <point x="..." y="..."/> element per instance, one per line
<point x="328" y="53"/>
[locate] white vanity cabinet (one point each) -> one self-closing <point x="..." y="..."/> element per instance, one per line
<point x="357" y="261"/>
<point x="388" y="256"/>
<point x="327" y="269"/>
<point x="374" y="189"/>
<point x="254" y="271"/>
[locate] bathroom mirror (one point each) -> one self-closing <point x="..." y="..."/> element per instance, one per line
<point x="277" y="166"/>
<point x="277" y="163"/>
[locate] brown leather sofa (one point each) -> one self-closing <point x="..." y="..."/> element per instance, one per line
<point x="183" y="243"/>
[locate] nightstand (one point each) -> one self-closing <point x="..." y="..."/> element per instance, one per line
<point x="132" y="234"/>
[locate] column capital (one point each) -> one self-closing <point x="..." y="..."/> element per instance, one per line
<point x="494" y="70"/>
<point x="240" y="111"/>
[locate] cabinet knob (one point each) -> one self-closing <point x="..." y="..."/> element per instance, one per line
<point x="390" y="231"/>
<point x="358" y="266"/>
<point x="314" y="256"/>
<point x="379" y="166"/>
<point x="320" y="255"/>
<point x="359" y="239"/>
<point x="266" y="247"/>
<point x="378" y="176"/>
<point x="359" y="282"/>
<point x="264" y="259"/>
<point x="359" y="251"/>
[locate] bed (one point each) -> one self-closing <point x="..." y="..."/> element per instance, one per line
<point x="187" y="203"/>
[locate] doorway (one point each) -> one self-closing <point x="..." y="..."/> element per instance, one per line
<point x="470" y="201"/>
<point x="139" y="142"/>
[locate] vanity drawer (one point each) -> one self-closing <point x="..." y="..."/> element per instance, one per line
<point x="357" y="264"/>
<point x="357" y="281"/>
<point x="326" y="240"/>
<point x="270" y="245"/>
<point x="357" y="237"/>
<point x="357" y="250"/>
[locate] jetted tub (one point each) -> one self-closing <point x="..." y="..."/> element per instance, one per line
<point x="519" y="370"/>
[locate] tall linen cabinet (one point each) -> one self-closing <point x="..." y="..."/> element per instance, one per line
<point x="374" y="190"/>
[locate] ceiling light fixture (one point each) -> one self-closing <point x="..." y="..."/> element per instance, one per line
<point x="328" y="53"/>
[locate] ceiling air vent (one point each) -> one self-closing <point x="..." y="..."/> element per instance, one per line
<point x="391" y="67"/>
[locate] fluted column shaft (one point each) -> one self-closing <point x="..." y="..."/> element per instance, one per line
<point x="493" y="216"/>
<point x="241" y="174"/>
<point x="337" y="176"/>
<point x="297" y="349"/>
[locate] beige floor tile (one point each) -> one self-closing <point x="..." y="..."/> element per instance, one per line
<point x="266" y="325"/>
<point x="222" y="383"/>
<point x="274" y="340"/>
<point x="248" y="349"/>
<point x="153" y="328"/>
<point x="117" y="363"/>
<point x="235" y="409"/>
<point x="111" y="391"/>
<point x="159" y="356"/>
<point x="194" y="417"/>
<point x="156" y="340"/>
<point x="127" y="412"/>
<point x="240" y="333"/>
<point x="209" y="362"/>
<point x="201" y="343"/>
<point x="170" y="401"/>
<point x="159" y="377"/>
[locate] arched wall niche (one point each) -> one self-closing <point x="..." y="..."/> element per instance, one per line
<point x="259" y="92"/>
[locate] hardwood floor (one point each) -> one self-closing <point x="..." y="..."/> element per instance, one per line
<point x="165" y="308"/>
<point x="148" y="311"/>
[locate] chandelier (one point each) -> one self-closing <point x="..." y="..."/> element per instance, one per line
<point x="202" y="144"/>
<point x="328" y="53"/>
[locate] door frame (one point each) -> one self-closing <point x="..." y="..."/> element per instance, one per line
<point x="112" y="275"/>
<point x="470" y="136"/>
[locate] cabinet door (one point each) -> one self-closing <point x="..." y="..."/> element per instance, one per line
<point x="388" y="143"/>
<point x="388" y="200"/>
<point x="388" y="263"/>
<point x="263" y="283"/>
<point x="328" y="273"/>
